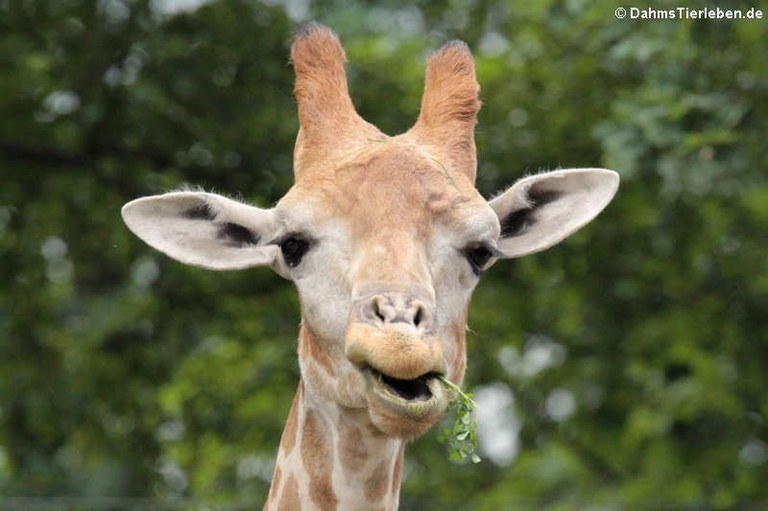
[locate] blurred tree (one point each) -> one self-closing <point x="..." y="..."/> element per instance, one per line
<point x="624" y="369"/>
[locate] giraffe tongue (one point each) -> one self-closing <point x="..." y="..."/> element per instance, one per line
<point x="410" y="390"/>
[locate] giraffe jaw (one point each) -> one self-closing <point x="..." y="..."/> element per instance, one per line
<point x="404" y="408"/>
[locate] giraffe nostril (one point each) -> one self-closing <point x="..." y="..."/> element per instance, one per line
<point x="377" y="310"/>
<point x="386" y="309"/>
<point x="418" y="316"/>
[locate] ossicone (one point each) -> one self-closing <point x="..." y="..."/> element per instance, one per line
<point x="328" y="122"/>
<point x="449" y="108"/>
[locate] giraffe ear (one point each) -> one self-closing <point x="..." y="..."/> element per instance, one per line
<point x="204" y="229"/>
<point x="539" y="211"/>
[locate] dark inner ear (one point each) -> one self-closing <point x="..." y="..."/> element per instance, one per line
<point x="518" y="222"/>
<point x="236" y="235"/>
<point x="200" y="212"/>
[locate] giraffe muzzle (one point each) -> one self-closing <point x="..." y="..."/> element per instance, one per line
<point x="401" y="369"/>
<point x="395" y="351"/>
<point x="391" y="338"/>
<point x="394" y="333"/>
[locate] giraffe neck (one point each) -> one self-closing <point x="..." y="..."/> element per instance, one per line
<point x="333" y="458"/>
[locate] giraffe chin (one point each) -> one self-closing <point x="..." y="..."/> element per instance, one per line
<point x="404" y="408"/>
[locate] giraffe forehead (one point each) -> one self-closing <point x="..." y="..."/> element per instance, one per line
<point x="392" y="188"/>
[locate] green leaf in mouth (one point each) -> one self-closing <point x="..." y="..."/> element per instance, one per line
<point x="462" y="438"/>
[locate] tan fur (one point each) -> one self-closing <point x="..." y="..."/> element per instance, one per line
<point x="352" y="448"/>
<point x="290" y="499"/>
<point x="288" y="439"/>
<point x="275" y="485"/>
<point x="316" y="454"/>
<point x="377" y="484"/>
<point x="396" y="475"/>
<point x="309" y="343"/>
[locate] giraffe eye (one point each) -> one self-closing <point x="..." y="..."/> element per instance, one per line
<point x="294" y="246"/>
<point x="478" y="257"/>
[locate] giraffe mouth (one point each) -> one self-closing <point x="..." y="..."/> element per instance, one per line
<point x="417" y="389"/>
<point x="415" y="397"/>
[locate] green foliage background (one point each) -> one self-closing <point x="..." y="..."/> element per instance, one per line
<point x="636" y="353"/>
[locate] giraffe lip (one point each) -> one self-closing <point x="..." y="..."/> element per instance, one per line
<point x="422" y="394"/>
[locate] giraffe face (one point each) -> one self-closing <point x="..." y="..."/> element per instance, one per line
<point x="385" y="253"/>
<point x="390" y="250"/>
<point x="384" y="237"/>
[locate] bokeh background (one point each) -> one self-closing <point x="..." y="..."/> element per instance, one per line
<point x="625" y="369"/>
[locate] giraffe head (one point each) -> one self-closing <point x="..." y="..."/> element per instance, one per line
<point x="384" y="237"/>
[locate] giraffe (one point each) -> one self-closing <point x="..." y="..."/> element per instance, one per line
<point x="385" y="238"/>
